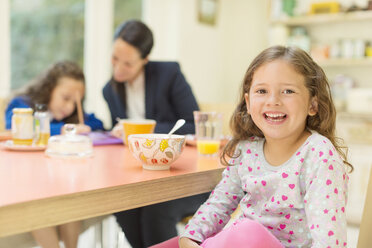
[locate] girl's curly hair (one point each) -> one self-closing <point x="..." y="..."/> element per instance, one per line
<point x="39" y="91"/>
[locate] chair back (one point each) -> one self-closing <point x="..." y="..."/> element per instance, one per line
<point x="365" y="237"/>
<point x="3" y="103"/>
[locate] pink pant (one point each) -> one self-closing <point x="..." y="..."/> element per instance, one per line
<point x="243" y="234"/>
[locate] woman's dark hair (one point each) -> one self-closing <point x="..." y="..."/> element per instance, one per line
<point x="137" y="34"/>
<point x="39" y="91"/>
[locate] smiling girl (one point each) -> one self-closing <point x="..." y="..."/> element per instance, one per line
<point x="287" y="170"/>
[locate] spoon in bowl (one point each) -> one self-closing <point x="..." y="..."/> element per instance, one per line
<point x="178" y="124"/>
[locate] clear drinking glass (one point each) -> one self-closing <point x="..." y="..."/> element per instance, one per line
<point x="208" y="132"/>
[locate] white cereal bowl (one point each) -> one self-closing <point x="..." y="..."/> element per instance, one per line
<point x="156" y="151"/>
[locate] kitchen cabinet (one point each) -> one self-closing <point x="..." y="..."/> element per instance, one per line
<point x="328" y="31"/>
<point x="340" y="43"/>
<point x="324" y="19"/>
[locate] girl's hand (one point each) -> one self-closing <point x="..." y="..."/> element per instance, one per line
<point x="82" y="128"/>
<point x="117" y="131"/>
<point x="187" y="243"/>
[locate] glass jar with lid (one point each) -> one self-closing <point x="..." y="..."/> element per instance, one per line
<point x="42" y="124"/>
<point x="22" y="126"/>
<point x="70" y="144"/>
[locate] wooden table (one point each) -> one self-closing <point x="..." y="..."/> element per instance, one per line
<point x="37" y="191"/>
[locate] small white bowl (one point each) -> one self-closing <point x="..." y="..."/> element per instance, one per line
<point x="156" y="151"/>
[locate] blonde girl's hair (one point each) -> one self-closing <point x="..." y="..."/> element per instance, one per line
<point x="324" y="122"/>
<point x="41" y="88"/>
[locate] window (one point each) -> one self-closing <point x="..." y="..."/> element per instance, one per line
<point x="44" y="32"/>
<point x="124" y="10"/>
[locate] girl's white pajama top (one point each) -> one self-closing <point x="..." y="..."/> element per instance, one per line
<point x="301" y="202"/>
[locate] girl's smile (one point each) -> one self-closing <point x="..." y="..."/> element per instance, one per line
<point x="275" y="117"/>
<point x="279" y="102"/>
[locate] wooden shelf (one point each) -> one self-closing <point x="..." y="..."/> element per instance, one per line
<point x="342" y="115"/>
<point x="345" y="62"/>
<point x="324" y="18"/>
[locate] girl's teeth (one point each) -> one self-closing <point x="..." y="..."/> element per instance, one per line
<point x="275" y="117"/>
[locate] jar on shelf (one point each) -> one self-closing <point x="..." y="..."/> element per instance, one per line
<point x="320" y="52"/>
<point x="347" y="48"/>
<point x="340" y="87"/>
<point x="288" y="7"/>
<point x="359" y="48"/>
<point x="369" y="49"/>
<point x="299" y="38"/>
<point x="276" y="9"/>
<point x="335" y="50"/>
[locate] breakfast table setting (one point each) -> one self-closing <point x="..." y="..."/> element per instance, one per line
<point x="49" y="186"/>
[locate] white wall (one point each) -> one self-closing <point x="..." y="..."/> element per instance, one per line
<point x="245" y="35"/>
<point x="213" y="58"/>
<point x="4" y="48"/>
<point x="97" y="55"/>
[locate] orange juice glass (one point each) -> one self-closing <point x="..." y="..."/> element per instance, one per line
<point x="208" y="146"/>
<point x="131" y="126"/>
<point x="208" y="132"/>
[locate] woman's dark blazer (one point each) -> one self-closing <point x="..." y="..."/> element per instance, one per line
<point x="168" y="97"/>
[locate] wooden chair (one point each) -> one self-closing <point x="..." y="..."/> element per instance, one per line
<point x="365" y="237"/>
<point x="3" y="103"/>
<point x="25" y="240"/>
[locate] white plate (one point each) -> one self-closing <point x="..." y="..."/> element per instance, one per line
<point x="190" y="140"/>
<point x="10" y="146"/>
<point x="5" y="135"/>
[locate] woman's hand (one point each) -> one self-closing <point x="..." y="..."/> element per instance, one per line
<point x="79" y="128"/>
<point x="117" y="131"/>
<point x="187" y="243"/>
<point x="82" y="128"/>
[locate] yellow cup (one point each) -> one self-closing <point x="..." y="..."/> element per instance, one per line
<point x="136" y="127"/>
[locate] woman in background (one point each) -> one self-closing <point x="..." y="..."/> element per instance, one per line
<point x="141" y="89"/>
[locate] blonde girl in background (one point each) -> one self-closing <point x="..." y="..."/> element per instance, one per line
<point x="286" y="168"/>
